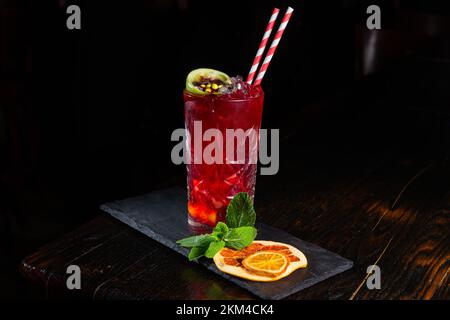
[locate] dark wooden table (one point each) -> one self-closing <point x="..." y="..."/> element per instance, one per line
<point x="375" y="200"/>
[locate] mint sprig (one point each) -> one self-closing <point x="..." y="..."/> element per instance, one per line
<point x="237" y="233"/>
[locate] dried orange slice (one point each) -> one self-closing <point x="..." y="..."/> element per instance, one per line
<point x="231" y="261"/>
<point x="267" y="263"/>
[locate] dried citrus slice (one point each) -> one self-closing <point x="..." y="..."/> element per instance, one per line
<point x="231" y="261"/>
<point x="267" y="263"/>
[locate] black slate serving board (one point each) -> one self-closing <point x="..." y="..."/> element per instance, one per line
<point x="162" y="216"/>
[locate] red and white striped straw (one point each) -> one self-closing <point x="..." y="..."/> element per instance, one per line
<point x="273" y="46"/>
<point x="262" y="45"/>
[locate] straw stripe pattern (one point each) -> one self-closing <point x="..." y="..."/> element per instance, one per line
<point x="262" y="45"/>
<point x="273" y="46"/>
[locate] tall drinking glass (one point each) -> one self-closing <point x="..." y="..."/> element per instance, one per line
<point x="214" y="177"/>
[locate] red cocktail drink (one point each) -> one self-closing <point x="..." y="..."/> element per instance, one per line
<point x="211" y="186"/>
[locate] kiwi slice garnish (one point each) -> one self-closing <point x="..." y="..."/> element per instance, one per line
<point x="206" y="81"/>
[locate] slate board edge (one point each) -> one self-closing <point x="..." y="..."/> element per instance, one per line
<point x="306" y="284"/>
<point x="144" y="230"/>
<point x="168" y="243"/>
<point x="108" y="207"/>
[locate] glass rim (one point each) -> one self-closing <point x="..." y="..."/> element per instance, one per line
<point x="222" y="98"/>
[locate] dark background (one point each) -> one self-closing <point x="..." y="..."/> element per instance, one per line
<point x="86" y="115"/>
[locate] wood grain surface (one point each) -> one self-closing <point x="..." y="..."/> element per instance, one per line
<point x="374" y="203"/>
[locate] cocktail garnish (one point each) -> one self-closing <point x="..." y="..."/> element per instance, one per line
<point x="206" y="81"/>
<point x="263" y="260"/>
<point x="238" y="233"/>
<point x="266" y="263"/>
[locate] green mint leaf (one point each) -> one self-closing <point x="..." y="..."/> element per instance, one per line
<point x="240" y="211"/>
<point x="196" y="241"/>
<point x="213" y="248"/>
<point x="220" y="230"/>
<point x="238" y="233"/>
<point x="239" y="238"/>
<point x="197" y="252"/>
